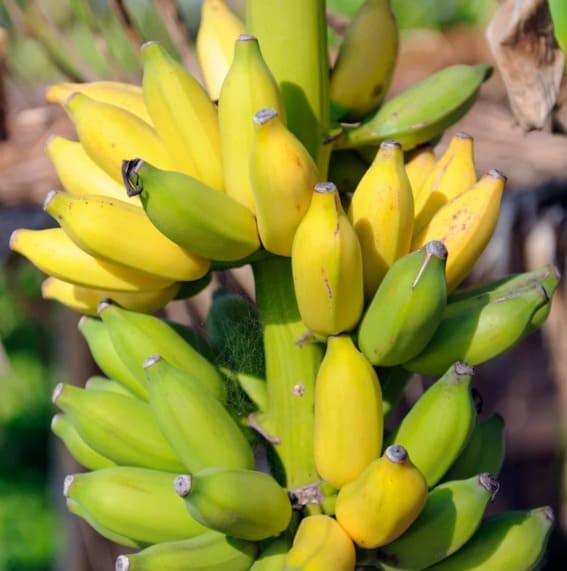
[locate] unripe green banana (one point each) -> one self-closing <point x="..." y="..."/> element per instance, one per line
<point x="451" y="515"/>
<point x="407" y="307"/>
<point x="422" y="112"/>
<point x="272" y="557"/>
<point x="440" y="423"/>
<point x="134" y="503"/>
<point x="136" y="336"/>
<point x="121" y="428"/>
<point x="243" y="503"/>
<point x="99" y="383"/>
<point x="199" y="218"/>
<point x="510" y="541"/>
<point x="210" y="551"/>
<point x="484" y="451"/>
<point x="86" y="456"/>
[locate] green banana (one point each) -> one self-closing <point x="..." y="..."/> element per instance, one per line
<point x="451" y="515"/>
<point x="118" y="427"/>
<point x="407" y="307"/>
<point x="134" y="503"/>
<point x="438" y="426"/>
<point x="210" y="551"/>
<point x="99" y="383"/>
<point x="514" y="541"/>
<point x="136" y="336"/>
<point x="203" y="220"/>
<point x="422" y="112"/>
<point x="272" y="557"/>
<point x="242" y="503"/>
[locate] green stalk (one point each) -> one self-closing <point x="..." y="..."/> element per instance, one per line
<point x="290" y="373"/>
<point x="293" y="39"/>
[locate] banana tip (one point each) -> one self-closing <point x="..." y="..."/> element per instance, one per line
<point x="495" y="173"/>
<point x="104" y="304"/>
<point x="48" y="198"/>
<point x="67" y="482"/>
<point x="325" y="187"/>
<point x="122" y="563"/>
<point x="463" y="369"/>
<point x="148" y="44"/>
<point x="54" y="420"/>
<point x="396" y="453"/>
<point x="489" y="483"/>
<point x="463" y="135"/>
<point x="182" y="485"/>
<point x="264" y="115"/>
<point x="57" y="392"/>
<point x="246" y="38"/>
<point x="132" y="182"/>
<point x="436" y="248"/>
<point x="69" y="97"/>
<point x="151" y="360"/>
<point x="12" y="241"/>
<point x="390" y="145"/>
<point x="548" y="512"/>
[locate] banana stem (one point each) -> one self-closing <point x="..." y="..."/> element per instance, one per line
<point x="290" y="372"/>
<point x="293" y="39"/>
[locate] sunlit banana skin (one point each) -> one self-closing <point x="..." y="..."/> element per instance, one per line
<point x="283" y="175"/>
<point x="348" y="413"/>
<point x="135" y="503"/>
<point x="246" y="504"/>
<point x="378" y="507"/>
<point x="514" y="541"/>
<point x="327" y="265"/>
<point x="197" y="217"/>
<point x="100" y="383"/>
<point x="419" y="164"/>
<point x="209" y="551"/>
<point x="320" y="543"/>
<point x="440" y="423"/>
<point x="449" y="518"/>
<point x="381" y="212"/>
<point x="367" y="58"/>
<point x="407" y="307"/>
<point x="423" y="112"/>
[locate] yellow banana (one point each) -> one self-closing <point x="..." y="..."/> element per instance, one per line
<point x="183" y="115"/>
<point x="383" y="501"/>
<point x="283" y="175"/>
<point x="54" y="253"/>
<point x="465" y="225"/>
<point x="320" y="544"/>
<point x="214" y="45"/>
<point x="249" y="86"/>
<point x="327" y="265"/>
<point x="453" y="174"/>
<point x="381" y="212"/>
<point x="419" y="165"/>
<point x="348" y="413"/>
<point x="92" y="223"/>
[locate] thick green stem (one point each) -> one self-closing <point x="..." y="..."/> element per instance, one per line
<point x="290" y="372"/>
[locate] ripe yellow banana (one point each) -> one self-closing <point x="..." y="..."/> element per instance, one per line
<point x="184" y="117"/>
<point x="348" y="413"/>
<point x="381" y="212"/>
<point x="419" y="165"/>
<point x="327" y="265"/>
<point x="465" y="225"/>
<point x="377" y="507"/>
<point x="249" y="86"/>
<point x="214" y="45"/>
<point x="283" y="175"/>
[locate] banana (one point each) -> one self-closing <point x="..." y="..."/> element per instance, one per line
<point x="242" y="503"/>
<point x="366" y="61"/>
<point x="407" y="307"/>
<point x="184" y="117"/>
<point x="320" y="544"/>
<point x="327" y="265"/>
<point x="214" y="45"/>
<point x="248" y="87"/>
<point x="110" y="134"/>
<point x="479" y="333"/>
<point x="419" y="164"/>
<point x="209" y="551"/>
<point x="106" y="357"/>
<point x="197" y="217"/>
<point x="346" y="169"/>
<point x="136" y="336"/>
<point x="80" y="175"/>
<point x="451" y="515"/>
<point x="77" y="447"/>
<point x="92" y="223"/>
<point x="134" y="503"/>
<point x="454" y="173"/>
<point x="348" y="413"/>
<point x="381" y="212"/>
<point x="54" y="253"/>
<point x="514" y="541"/>
<point x="123" y="95"/>
<point x="465" y="225"/>
<point x="116" y="426"/>
<point x="86" y="299"/>
<point x="100" y="383"/>
<point x="378" y="507"/>
<point x="483" y="452"/>
<point x="272" y="557"/>
<point x="440" y="423"/>
<point x="283" y="175"/>
<point x="423" y="112"/>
